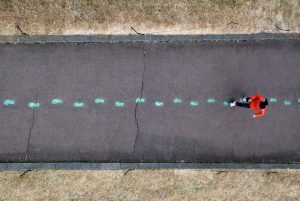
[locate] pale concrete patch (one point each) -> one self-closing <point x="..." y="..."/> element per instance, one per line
<point x="68" y="17"/>
<point x="168" y="185"/>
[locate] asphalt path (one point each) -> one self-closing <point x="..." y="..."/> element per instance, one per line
<point x="79" y="102"/>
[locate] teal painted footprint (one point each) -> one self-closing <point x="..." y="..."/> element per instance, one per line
<point x="99" y="100"/>
<point x="8" y="102"/>
<point x="211" y="100"/>
<point x="226" y="104"/>
<point x="140" y="100"/>
<point x="177" y="100"/>
<point x="78" y="104"/>
<point x="159" y="104"/>
<point x="33" y="104"/>
<point x="194" y="103"/>
<point x="56" y="101"/>
<point x="119" y="104"/>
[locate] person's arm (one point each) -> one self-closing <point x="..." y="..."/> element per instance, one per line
<point x="256" y="96"/>
<point x="259" y="114"/>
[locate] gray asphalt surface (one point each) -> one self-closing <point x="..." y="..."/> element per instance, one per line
<point x="144" y="132"/>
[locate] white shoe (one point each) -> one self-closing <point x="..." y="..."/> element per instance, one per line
<point x="244" y="99"/>
<point x="233" y="104"/>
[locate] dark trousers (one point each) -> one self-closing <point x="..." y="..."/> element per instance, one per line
<point x="245" y="105"/>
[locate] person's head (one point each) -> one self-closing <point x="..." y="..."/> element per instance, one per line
<point x="263" y="104"/>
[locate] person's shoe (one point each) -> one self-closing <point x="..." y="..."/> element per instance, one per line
<point x="232" y="104"/>
<point x="244" y="99"/>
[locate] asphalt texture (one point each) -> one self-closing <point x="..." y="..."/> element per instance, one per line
<point x="158" y="129"/>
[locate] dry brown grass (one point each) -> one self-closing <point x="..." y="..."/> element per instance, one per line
<point x="148" y="16"/>
<point x="166" y="185"/>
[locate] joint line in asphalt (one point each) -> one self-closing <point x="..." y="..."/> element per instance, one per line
<point x="138" y="102"/>
<point x="32" y="125"/>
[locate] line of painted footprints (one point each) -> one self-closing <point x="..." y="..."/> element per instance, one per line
<point x="57" y="101"/>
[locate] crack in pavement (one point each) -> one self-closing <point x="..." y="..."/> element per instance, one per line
<point x="31" y="127"/>
<point x="137" y="103"/>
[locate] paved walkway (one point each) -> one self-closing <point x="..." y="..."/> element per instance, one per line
<point x="155" y="102"/>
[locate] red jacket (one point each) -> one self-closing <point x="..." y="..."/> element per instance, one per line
<point x="254" y="104"/>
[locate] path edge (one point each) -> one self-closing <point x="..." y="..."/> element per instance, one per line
<point x="41" y="39"/>
<point x="125" y="166"/>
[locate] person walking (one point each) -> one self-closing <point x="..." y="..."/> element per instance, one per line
<point x="256" y="102"/>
